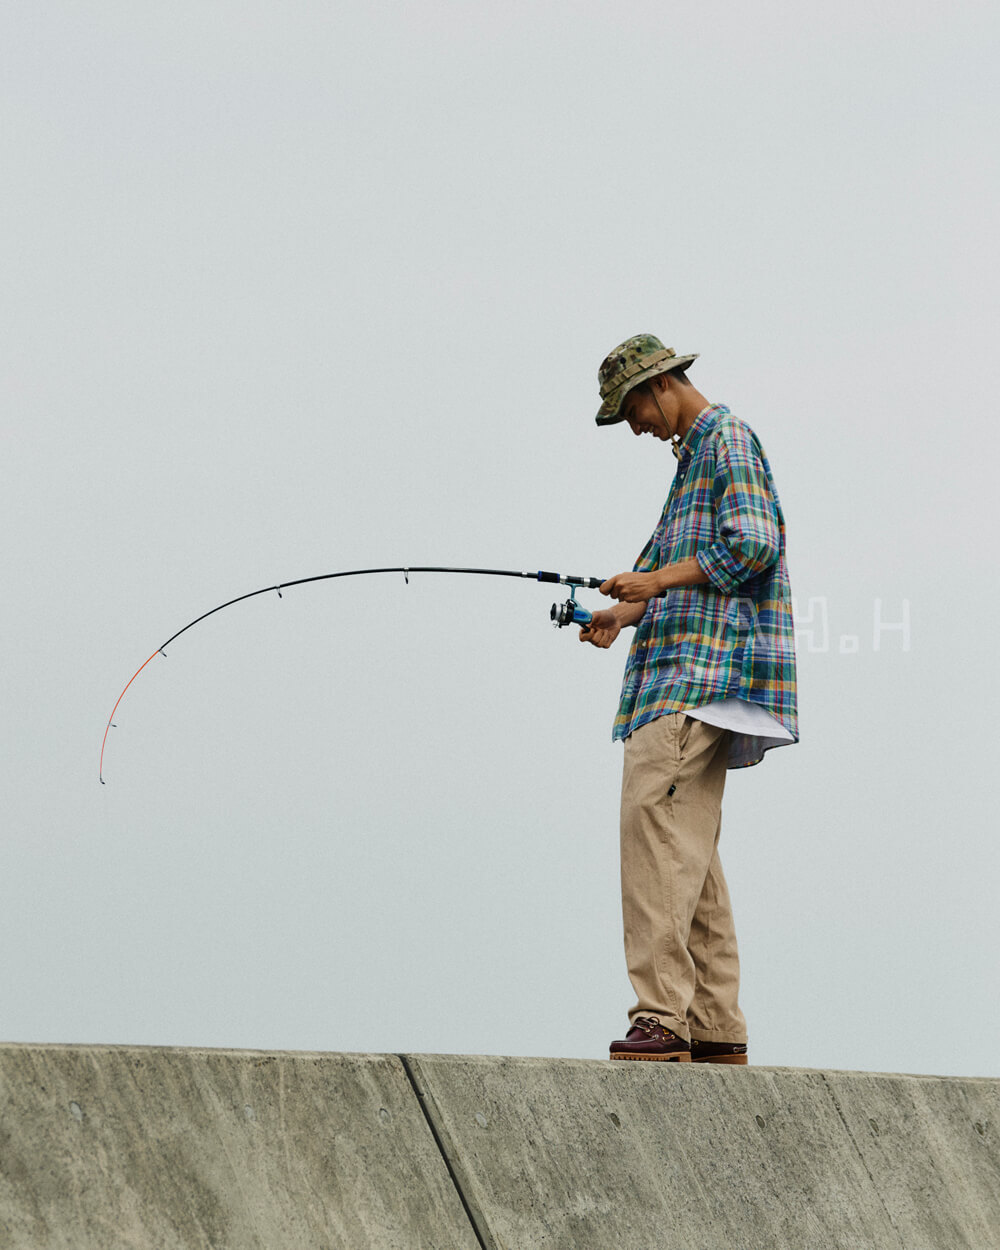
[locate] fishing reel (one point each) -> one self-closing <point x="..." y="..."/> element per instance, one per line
<point x="570" y="612"/>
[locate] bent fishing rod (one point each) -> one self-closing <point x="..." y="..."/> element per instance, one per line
<point x="568" y="613"/>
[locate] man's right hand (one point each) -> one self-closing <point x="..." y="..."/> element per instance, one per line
<point x="604" y="628"/>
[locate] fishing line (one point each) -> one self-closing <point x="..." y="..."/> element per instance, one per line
<point x="565" y="614"/>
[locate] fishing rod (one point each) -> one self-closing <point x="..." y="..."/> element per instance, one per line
<point x="568" y="613"/>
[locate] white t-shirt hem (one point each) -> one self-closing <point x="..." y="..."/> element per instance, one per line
<point x="754" y="730"/>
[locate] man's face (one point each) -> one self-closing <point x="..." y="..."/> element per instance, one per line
<point x="643" y="415"/>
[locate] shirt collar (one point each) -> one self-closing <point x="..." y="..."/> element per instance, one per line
<point x="705" y="421"/>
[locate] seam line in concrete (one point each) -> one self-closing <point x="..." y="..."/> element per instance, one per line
<point x="854" y="1143"/>
<point x="482" y="1234"/>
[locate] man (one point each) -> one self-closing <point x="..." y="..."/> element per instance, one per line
<point x="709" y="685"/>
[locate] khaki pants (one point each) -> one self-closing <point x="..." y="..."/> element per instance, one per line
<point x="680" y="943"/>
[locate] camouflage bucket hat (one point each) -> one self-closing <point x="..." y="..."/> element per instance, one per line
<point x="636" y="360"/>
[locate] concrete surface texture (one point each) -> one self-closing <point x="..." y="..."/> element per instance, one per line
<point x="109" y="1147"/>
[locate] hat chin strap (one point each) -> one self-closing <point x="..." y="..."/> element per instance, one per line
<point x="675" y="439"/>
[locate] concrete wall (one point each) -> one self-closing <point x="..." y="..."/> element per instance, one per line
<point x="113" y="1147"/>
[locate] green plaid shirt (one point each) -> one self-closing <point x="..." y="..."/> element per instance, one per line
<point x="732" y="637"/>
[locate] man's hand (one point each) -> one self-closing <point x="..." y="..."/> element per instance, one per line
<point x="634" y="587"/>
<point x="603" y="629"/>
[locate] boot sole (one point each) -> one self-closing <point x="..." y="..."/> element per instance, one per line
<point x="741" y="1060"/>
<point x="680" y="1057"/>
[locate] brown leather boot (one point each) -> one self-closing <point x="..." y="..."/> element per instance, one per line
<point x="649" y="1039"/>
<point x="718" y="1052"/>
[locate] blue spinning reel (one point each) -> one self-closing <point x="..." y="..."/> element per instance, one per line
<point x="570" y="612"/>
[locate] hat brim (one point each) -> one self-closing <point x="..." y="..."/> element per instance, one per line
<point x="610" y="412"/>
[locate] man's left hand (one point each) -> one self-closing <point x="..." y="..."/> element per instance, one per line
<point x="633" y="587"/>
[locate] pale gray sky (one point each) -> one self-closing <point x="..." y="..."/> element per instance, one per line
<point x="297" y="287"/>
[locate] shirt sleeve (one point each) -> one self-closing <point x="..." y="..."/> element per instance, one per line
<point x="749" y="536"/>
<point x="648" y="557"/>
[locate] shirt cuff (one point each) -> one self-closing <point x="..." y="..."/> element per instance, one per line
<point x="718" y="565"/>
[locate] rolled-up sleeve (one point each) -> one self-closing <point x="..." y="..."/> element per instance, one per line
<point x="749" y="536"/>
<point x="647" y="559"/>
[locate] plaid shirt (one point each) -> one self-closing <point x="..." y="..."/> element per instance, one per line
<point x="733" y="636"/>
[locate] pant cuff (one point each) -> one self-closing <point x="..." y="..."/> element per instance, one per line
<point x="717" y="1035"/>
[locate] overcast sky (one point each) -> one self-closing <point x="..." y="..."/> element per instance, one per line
<point x="298" y="287"/>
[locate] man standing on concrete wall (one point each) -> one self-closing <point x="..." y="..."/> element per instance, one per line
<point x="709" y="685"/>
